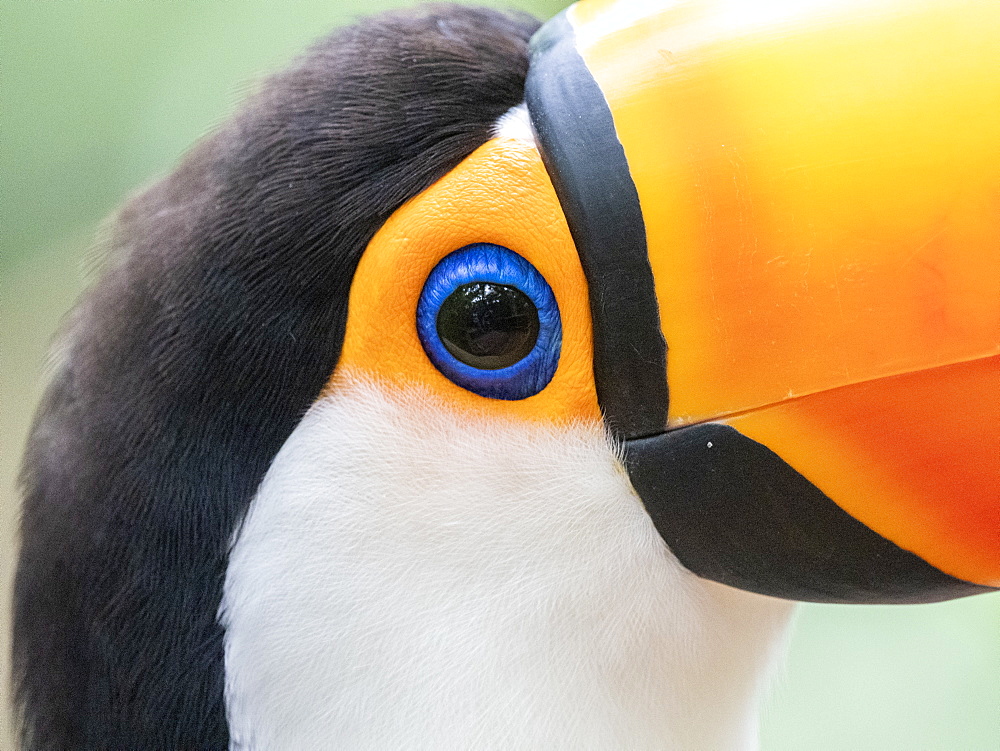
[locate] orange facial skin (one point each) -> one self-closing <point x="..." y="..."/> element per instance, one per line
<point x="500" y="194"/>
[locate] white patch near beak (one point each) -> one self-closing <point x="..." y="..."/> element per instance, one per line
<point x="413" y="577"/>
<point x="515" y="123"/>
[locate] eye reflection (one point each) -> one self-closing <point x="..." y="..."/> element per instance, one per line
<point x="487" y="325"/>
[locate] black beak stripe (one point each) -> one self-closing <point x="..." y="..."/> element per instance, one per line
<point x="577" y="139"/>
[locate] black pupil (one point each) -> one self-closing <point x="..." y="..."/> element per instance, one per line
<point x="488" y="326"/>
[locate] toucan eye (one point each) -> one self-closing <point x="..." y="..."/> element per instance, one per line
<point x="489" y="322"/>
<point x="488" y="326"/>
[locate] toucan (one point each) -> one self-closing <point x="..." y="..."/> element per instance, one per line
<point x="487" y="385"/>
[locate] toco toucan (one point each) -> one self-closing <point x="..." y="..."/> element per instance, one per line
<point x="482" y="385"/>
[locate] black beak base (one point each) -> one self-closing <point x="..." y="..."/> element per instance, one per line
<point x="733" y="511"/>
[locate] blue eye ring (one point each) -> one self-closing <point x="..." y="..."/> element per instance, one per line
<point x="489" y="263"/>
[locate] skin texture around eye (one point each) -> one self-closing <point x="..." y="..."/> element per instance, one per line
<point x="501" y="194"/>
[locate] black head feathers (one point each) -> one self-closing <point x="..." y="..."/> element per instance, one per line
<point x="194" y="357"/>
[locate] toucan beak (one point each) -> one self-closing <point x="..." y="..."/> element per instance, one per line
<point x="789" y="218"/>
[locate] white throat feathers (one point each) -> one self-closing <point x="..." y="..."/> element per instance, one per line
<point x="515" y="123"/>
<point x="412" y="577"/>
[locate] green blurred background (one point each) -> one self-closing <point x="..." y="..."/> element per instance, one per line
<point x="98" y="98"/>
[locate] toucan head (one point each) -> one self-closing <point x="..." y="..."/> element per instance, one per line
<point x="762" y="242"/>
<point x="752" y="250"/>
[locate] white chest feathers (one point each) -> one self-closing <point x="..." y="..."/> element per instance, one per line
<point x="411" y="578"/>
